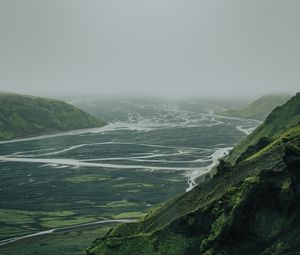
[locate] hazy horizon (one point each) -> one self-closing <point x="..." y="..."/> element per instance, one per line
<point x="172" y="49"/>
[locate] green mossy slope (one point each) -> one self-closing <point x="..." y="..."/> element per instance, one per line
<point x="279" y="121"/>
<point x="22" y="116"/>
<point x="260" y="108"/>
<point x="249" y="207"/>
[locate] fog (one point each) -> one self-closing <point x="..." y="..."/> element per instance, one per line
<point x="169" y="48"/>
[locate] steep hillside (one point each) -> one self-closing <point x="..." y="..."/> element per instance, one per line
<point x="260" y="108"/>
<point x="249" y="207"/>
<point x="27" y="115"/>
<point x="281" y="119"/>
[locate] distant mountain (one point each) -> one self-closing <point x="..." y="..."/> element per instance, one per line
<point x="22" y="116"/>
<point x="260" y="108"/>
<point x="251" y="206"/>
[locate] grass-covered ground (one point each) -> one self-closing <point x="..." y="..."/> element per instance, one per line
<point x="22" y="116"/>
<point x="68" y="198"/>
<point x="72" y="242"/>
<point x="281" y="119"/>
<point x="260" y="108"/>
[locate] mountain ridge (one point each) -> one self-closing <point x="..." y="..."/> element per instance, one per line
<point x="282" y="118"/>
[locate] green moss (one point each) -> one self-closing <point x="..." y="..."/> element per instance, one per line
<point x="154" y="211"/>
<point x="279" y="121"/>
<point x="173" y="244"/>
<point x="286" y="186"/>
<point x="219" y="227"/>
<point x="292" y="149"/>
<point x="191" y="221"/>
<point x="286" y="136"/>
<point x="252" y="179"/>
<point x="279" y="248"/>
<point x="260" y="108"/>
<point x="252" y="149"/>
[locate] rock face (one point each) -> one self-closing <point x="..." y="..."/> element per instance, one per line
<point x="251" y="206"/>
<point x="22" y="116"/>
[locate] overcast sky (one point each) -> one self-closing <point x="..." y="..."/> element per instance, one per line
<point x="156" y="47"/>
